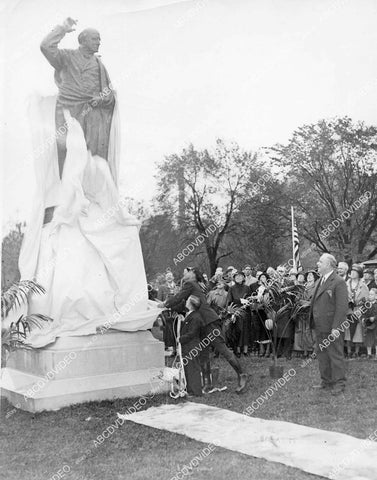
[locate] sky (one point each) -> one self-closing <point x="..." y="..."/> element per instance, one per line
<point x="250" y="71"/>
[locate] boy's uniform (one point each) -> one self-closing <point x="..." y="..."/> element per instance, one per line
<point x="190" y="339"/>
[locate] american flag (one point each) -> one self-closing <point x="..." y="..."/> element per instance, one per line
<point x="295" y="245"/>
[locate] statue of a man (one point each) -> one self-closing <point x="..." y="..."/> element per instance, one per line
<point x="84" y="88"/>
<point x="81" y="244"/>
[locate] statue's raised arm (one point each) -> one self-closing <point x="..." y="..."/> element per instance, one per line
<point x="49" y="45"/>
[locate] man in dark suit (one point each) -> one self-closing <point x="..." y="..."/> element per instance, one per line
<point x="328" y="310"/>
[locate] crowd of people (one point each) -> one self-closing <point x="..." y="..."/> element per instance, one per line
<point x="224" y="303"/>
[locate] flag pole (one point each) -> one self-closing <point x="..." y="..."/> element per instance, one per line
<point x="293" y="241"/>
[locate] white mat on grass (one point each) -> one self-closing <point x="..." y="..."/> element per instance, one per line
<point x="320" y="452"/>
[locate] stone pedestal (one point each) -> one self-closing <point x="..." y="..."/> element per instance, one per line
<point x="82" y="369"/>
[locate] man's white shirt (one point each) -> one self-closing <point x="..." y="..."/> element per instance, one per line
<point x="325" y="277"/>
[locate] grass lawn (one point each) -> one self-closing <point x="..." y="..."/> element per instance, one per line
<point x="35" y="447"/>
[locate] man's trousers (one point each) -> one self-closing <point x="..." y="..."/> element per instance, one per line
<point x="330" y="356"/>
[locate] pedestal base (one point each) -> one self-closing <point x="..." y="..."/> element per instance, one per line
<point x="82" y="369"/>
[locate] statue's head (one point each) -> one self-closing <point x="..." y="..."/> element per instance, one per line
<point x="90" y="39"/>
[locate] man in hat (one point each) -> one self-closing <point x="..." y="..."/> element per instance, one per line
<point x="84" y="88"/>
<point x="328" y="310"/>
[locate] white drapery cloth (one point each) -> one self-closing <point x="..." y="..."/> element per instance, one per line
<point x="89" y="256"/>
<point x="320" y="452"/>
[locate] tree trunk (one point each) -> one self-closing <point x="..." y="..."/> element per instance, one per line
<point x="181" y="196"/>
<point x="212" y="260"/>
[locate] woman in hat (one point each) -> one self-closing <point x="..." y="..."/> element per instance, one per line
<point x="310" y="283"/>
<point x="216" y="278"/>
<point x="217" y="298"/>
<point x="358" y="292"/>
<point x="236" y="298"/>
<point x="262" y="337"/>
<point x="304" y="335"/>
<point x="369" y="322"/>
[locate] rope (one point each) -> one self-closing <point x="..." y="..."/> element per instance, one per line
<point x="180" y="388"/>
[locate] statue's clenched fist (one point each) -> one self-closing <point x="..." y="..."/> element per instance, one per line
<point x="68" y="24"/>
